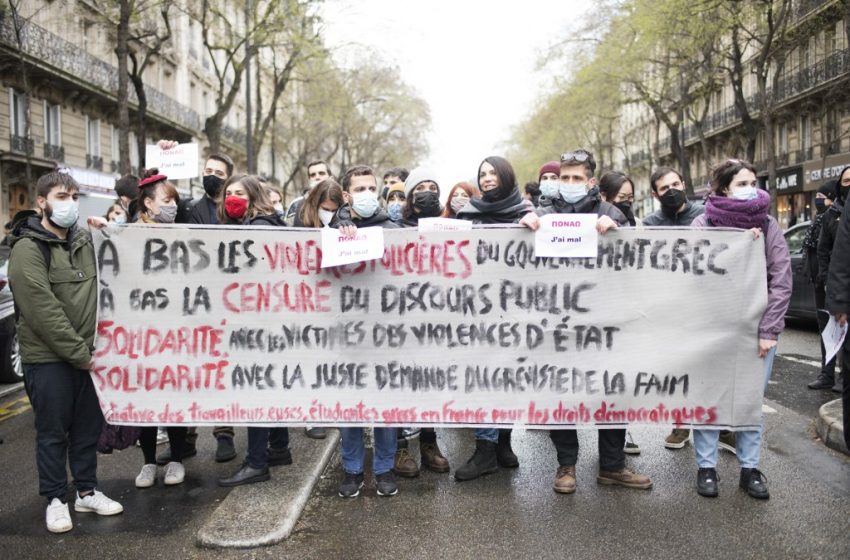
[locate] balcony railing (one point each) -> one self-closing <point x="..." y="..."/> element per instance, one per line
<point x="56" y="153"/>
<point x="94" y="162"/>
<point x="46" y="48"/>
<point x="21" y="144"/>
<point x="802" y="8"/>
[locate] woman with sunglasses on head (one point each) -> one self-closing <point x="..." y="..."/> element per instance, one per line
<point x="499" y="203"/>
<point x="157" y="204"/>
<point x="736" y="201"/>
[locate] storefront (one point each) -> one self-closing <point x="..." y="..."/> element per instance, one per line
<point x="817" y="172"/>
<point x="793" y="205"/>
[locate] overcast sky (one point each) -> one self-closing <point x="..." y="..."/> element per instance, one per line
<point x="473" y="61"/>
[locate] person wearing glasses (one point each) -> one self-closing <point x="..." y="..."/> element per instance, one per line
<point x="578" y="194"/>
<point x="619" y="190"/>
<point x="736" y="201"/>
<point x="668" y="189"/>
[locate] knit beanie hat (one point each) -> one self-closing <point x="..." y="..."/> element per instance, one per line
<point x="551" y="167"/>
<point x="419" y="175"/>
<point x="395" y="187"/>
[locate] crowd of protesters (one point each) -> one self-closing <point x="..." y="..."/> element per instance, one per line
<point x="53" y="274"/>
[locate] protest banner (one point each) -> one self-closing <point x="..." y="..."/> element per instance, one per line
<point x="180" y="162"/>
<point x="233" y="325"/>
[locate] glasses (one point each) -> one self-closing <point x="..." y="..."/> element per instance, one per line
<point x="577" y="156"/>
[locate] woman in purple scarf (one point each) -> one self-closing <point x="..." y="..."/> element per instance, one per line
<point x="736" y="201"/>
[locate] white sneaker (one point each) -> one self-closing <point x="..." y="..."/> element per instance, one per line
<point x="58" y="517"/>
<point x="98" y="503"/>
<point x="147" y="476"/>
<point x="174" y="473"/>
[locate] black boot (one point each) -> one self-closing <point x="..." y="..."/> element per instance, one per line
<point x="504" y="454"/>
<point x="245" y="475"/>
<point x="824" y="381"/>
<point x="482" y="462"/>
<point x="839" y="383"/>
<point x="754" y="482"/>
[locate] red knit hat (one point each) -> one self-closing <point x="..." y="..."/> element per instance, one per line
<point x="551" y="167"/>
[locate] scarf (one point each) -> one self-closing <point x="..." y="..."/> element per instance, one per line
<point x="723" y="211"/>
<point x="505" y="211"/>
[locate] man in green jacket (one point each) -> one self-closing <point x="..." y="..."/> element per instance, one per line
<point x="53" y="276"/>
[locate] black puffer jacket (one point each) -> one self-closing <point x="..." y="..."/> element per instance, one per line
<point x="590" y="204"/>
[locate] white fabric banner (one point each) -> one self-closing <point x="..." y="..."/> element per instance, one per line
<point x="236" y="326"/>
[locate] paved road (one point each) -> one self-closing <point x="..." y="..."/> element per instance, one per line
<point x="512" y="513"/>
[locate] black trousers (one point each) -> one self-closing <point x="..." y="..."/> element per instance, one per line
<point x="68" y="421"/>
<point x="176" y="438"/>
<point x="611" y="442"/>
<point x="845" y="392"/>
<point x="823" y="319"/>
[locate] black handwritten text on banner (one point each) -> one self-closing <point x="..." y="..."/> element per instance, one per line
<point x="243" y="326"/>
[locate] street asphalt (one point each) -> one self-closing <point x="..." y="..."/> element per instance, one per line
<point x="511" y="514"/>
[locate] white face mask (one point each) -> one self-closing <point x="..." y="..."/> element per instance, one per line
<point x="572" y="193"/>
<point x="365" y="203"/>
<point x="279" y="209"/>
<point x="744" y="193"/>
<point x="550" y="188"/>
<point x="326" y="216"/>
<point x="64" y="214"/>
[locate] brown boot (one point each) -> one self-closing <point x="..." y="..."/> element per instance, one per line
<point x="565" y="480"/>
<point x="404" y="465"/>
<point x="625" y="478"/>
<point x="432" y="457"/>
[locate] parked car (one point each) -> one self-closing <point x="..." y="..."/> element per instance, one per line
<point x="11" y="369"/>
<point x="802" y="304"/>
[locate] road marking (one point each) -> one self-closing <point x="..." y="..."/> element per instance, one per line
<point x="15" y="407"/>
<point x="799" y="361"/>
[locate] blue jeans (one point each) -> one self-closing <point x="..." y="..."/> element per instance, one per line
<point x="747" y="442"/>
<point x="487" y="434"/>
<point x="259" y="441"/>
<point x="354" y="450"/>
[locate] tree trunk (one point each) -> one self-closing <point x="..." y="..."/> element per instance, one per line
<point x="122" y="52"/>
<point x="212" y="128"/>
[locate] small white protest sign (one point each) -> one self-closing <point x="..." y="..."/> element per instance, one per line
<point x="339" y="249"/>
<point x="444" y="224"/>
<point x="566" y="235"/>
<point x="833" y="338"/>
<point x="180" y="162"/>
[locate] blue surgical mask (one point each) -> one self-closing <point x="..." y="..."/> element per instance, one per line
<point x="278" y="208"/>
<point x="572" y="193"/>
<point x="365" y="203"/>
<point x="550" y="189"/>
<point x="64" y="214"/>
<point x="744" y="193"/>
<point x="394" y="210"/>
<point x="120" y="219"/>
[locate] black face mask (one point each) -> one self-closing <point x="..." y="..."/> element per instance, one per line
<point x="845" y="191"/>
<point x="427" y="204"/>
<point x="212" y="185"/>
<point x="672" y="200"/>
<point x="820" y="205"/>
<point x="626" y="209"/>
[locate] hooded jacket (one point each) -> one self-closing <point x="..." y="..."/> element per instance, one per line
<point x="58" y="307"/>
<point x="379" y="219"/>
<point x="683" y="218"/>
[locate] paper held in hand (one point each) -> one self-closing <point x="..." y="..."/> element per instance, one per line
<point x="833" y="337"/>
<point x="566" y="235"/>
<point x="180" y="162"/>
<point x="339" y="249"/>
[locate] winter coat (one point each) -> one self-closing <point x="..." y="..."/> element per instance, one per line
<point x="591" y="204"/>
<point x="683" y="218"/>
<point x="507" y="211"/>
<point x="778" y="278"/>
<point x="58" y="307"/>
<point x="838" y="272"/>
<point x="830" y="221"/>
<point x="201" y="212"/>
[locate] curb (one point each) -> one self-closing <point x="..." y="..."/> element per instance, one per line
<point x="264" y="514"/>
<point x="830" y="427"/>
